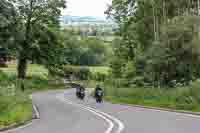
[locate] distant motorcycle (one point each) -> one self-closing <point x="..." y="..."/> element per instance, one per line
<point x="82" y="95"/>
<point x="99" y="96"/>
<point x="80" y="92"/>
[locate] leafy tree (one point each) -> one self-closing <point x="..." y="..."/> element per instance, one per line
<point x="177" y="56"/>
<point x="36" y="21"/>
<point x="84" y="51"/>
<point x="31" y="29"/>
<point x="6" y="21"/>
<point x="160" y="37"/>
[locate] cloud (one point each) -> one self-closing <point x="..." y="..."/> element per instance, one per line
<point x="86" y="7"/>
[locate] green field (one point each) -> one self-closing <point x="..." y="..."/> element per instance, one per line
<point x="99" y="69"/>
<point x="33" y="69"/>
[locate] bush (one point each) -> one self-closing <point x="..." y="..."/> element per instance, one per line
<point x="80" y="73"/>
<point x="83" y="73"/>
<point x="190" y="97"/>
<point x="99" y="76"/>
<point x="119" y="82"/>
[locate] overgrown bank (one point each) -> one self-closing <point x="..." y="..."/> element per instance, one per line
<point x="15" y="109"/>
<point x="180" y="98"/>
<point x="15" y="105"/>
<point x="157" y="55"/>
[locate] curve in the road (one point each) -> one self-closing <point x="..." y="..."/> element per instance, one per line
<point x="108" y="118"/>
<point x="120" y="124"/>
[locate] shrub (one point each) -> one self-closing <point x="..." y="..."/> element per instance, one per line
<point x="99" y="76"/>
<point x="117" y="82"/>
<point x="80" y="73"/>
<point x="83" y="73"/>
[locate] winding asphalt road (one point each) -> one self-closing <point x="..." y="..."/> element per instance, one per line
<point x="62" y="112"/>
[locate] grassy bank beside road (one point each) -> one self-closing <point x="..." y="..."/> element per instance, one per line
<point x="180" y="98"/>
<point x="15" y="109"/>
<point x="16" y="106"/>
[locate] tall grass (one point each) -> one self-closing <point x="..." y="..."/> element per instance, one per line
<point x="16" y="106"/>
<point x="181" y="98"/>
<point x="15" y="109"/>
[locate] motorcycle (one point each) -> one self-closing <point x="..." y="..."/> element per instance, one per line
<point x="99" y="96"/>
<point x="82" y="95"/>
<point x="80" y="92"/>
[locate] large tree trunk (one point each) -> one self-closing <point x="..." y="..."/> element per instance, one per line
<point x="21" y="72"/>
<point x="22" y="65"/>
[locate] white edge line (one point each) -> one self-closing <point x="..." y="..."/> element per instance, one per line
<point x="111" y="125"/>
<point x="26" y="125"/>
<point x="36" y="112"/>
<point x="16" y="129"/>
<point x="120" y="124"/>
<point x="35" y="108"/>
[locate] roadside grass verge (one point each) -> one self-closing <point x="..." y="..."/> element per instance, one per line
<point x="15" y="109"/>
<point x="181" y="98"/>
<point x="16" y="106"/>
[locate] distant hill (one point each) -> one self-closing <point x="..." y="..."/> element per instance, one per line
<point x="71" y="19"/>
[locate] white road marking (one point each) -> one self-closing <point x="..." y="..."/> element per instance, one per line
<point x="179" y="114"/>
<point x="101" y="114"/>
<point x="111" y="125"/>
<point x="19" y="128"/>
<point x="26" y="125"/>
<point x="36" y="112"/>
<point x="120" y="124"/>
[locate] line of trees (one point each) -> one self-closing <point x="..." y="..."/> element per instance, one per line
<point x="159" y="41"/>
<point x="86" y="51"/>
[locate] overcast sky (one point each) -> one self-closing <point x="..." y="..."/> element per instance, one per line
<point x="86" y="7"/>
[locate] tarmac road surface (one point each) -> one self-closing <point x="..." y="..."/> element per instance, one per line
<point x="62" y="112"/>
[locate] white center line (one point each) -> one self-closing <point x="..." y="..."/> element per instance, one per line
<point x="108" y="118"/>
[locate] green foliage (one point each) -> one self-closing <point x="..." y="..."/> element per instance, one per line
<point x="160" y="38"/>
<point x="14" y="110"/>
<point x="129" y="70"/>
<point x="84" y="51"/>
<point x="181" y="98"/>
<point x="177" y="56"/>
<point x="99" y="76"/>
<point x="15" y="106"/>
<point x="32" y="28"/>
<point x="80" y="73"/>
<point x="116" y="67"/>
<point x="6" y="22"/>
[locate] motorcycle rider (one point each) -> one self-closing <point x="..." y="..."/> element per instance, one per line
<point x="98" y="94"/>
<point x="80" y="91"/>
